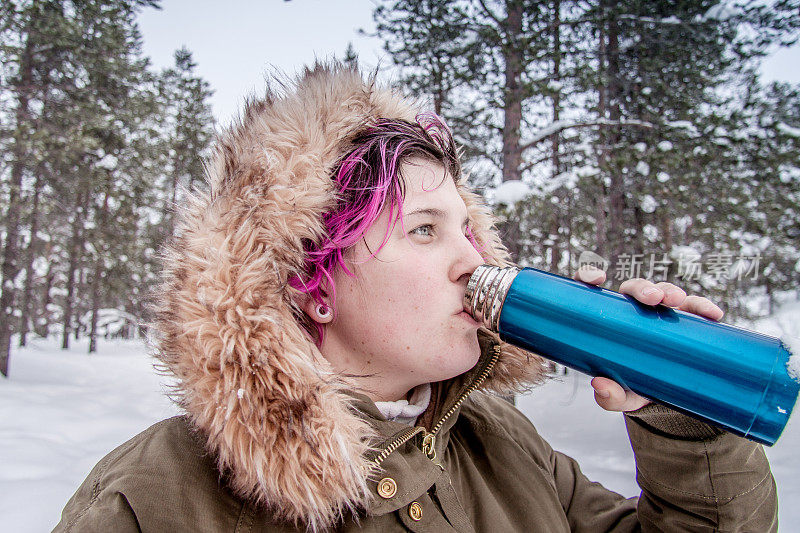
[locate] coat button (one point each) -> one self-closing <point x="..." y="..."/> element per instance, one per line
<point x="415" y="511"/>
<point x="387" y="487"/>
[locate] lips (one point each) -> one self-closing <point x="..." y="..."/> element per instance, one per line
<point x="468" y="317"/>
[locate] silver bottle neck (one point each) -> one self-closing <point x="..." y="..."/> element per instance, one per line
<point x="486" y="291"/>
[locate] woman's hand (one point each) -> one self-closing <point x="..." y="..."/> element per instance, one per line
<point x="608" y="393"/>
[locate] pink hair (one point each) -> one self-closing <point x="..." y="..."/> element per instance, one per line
<point x="369" y="180"/>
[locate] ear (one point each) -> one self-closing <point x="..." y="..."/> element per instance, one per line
<point x="312" y="308"/>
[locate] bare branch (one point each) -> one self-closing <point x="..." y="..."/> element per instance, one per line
<point x="547" y="157"/>
<point x="561" y="125"/>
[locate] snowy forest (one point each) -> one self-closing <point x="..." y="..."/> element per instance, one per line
<point x="638" y="131"/>
<point x="634" y="133"/>
<point x="96" y="149"/>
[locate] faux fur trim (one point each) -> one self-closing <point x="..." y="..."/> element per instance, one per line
<point x="276" y="417"/>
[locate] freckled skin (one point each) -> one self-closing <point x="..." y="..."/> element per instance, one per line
<point x="399" y="315"/>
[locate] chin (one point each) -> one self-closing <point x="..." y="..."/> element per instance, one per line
<point x="467" y="360"/>
<point x="461" y="357"/>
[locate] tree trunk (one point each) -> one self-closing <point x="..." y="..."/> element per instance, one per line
<point x="12" y="222"/>
<point x="512" y="52"/>
<point x="569" y="231"/>
<point x="602" y="156"/>
<point x="43" y="330"/>
<point x="76" y="244"/>
<point x="510" y="234"/>
<point x="638" y="220"/>
<point x="616" y="205"/>
<point x="439" y="91"/>
<point x="512" y="105"/>
<point x="98" y="272"/>
<point x="666" y="227"/>
<point x="555" y="231"/>
<point x="27" y="294"/>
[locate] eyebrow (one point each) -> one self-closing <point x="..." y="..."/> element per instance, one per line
<point x="434" y="212"/>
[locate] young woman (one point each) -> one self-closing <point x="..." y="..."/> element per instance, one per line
<point x="311" y="314"/>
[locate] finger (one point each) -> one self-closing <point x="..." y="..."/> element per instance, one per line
<point x="673" y="295"/>
<point x="612" y="397"/>
<point x="643" y="290"/>
<point x="590" y="274"/>
<point x="701" y="306"/>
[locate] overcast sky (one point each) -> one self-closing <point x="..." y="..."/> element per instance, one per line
<point x="236" y="42"/>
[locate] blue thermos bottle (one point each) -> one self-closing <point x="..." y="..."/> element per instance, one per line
<point x="737" y="379"/>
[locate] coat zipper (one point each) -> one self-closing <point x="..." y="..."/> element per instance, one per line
<point x="429" y="438"/>
<point x="404" y="437"/>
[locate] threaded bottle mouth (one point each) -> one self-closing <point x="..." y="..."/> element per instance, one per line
<point x="486" y="291"/>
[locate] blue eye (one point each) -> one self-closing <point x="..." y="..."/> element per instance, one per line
<point x="426" y="230"/>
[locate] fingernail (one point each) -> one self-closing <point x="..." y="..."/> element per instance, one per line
<point x="649" y="290"/>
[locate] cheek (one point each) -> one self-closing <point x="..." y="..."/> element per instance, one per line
<point x="405" y="289"/>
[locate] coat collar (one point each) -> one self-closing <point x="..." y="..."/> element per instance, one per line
<point x="401" y="454"/>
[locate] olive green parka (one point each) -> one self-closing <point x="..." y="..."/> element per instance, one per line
<point x="490" y="472"/>
<point x="273" y="439"/>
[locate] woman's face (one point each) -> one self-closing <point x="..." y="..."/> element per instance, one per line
<point x="399" y="321"/>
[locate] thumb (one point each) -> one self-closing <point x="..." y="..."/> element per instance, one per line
<point x="612" y="397"/>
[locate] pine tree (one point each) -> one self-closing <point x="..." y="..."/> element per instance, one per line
<point x="350" y="56"/>
<point x="113" y="70"/>
<point x="626" y="120"/>
<point x="429" y="40"/>
<point x="68" y="68"/>
<point x="679" y="69"/>
<point x="34" y="58"/>
<point x="189" y="124"/>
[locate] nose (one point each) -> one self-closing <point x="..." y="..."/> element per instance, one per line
<point x="466" y="260"/>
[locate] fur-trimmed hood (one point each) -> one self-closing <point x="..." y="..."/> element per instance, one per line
<point x="275" y="416"/>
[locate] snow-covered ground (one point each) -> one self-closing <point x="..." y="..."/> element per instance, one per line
<point x="60" y="412"/>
